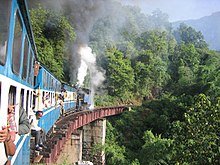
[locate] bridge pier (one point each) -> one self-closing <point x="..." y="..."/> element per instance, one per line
<point x="79" y="146"/>
<point x="76" y="142"/>
<point x="94" y="133"/>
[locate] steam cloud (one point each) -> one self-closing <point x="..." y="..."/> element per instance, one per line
<point x="84" y="14"/>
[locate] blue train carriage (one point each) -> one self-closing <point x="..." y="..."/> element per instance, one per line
<point x="47" y="89"/>
<point x="68" y="97"/>
<point x="17" y="56"/>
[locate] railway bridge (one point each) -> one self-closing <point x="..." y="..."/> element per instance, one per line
<point x="72" y="138"/>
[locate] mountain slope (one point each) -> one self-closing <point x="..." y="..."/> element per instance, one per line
<point x="209" y="26"/>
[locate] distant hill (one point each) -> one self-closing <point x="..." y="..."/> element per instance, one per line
<point x="209" y="26"/>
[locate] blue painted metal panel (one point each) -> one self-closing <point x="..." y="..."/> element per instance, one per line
<point x="48" y="120"/>
<point x="23" y="156"/>
<point x="69" y="105"/>
<point x="39" y="80"/>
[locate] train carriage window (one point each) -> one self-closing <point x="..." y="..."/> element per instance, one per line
<point x="16" y="58"/>
<point x="43" y="97"/>
<point x="52" y="84"/>
<point x="31" y="69"/>
<point x="44" y="79"/>
<point x="27" y="102"/>
<point x="48" y="81"/>
<point x="31" y="98"/>
<point x="25" y="60"/>
<point x="31" y="101"/>
<point x="22" y="98"/>
<point x="51" y="98"/>
<point x="55" y="85"/>
<point x="4" y="28"/>
<point x="12" y="96"/>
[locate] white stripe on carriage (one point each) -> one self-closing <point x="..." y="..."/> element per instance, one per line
<point x="19" y="148"/>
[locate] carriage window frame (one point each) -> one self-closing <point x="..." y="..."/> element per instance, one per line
<point x="5" y="13"/>
<point x="17" y="44"/>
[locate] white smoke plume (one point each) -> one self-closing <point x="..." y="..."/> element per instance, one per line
<point x="88" y="63"/>
<point x="87" y="59"/>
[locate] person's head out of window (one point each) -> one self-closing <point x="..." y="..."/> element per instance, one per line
<point x="39" y="114"/>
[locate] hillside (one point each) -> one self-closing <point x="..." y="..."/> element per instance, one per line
<point x="209" y="26"/>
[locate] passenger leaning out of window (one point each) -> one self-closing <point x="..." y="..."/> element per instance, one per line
<point x="38" y="132"/>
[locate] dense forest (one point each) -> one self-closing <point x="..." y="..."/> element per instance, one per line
<point x="170" y="78"/>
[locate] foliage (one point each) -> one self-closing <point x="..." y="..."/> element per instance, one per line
<point x="155" y="41"/>
<point x="155" y="150"/>
<point x="51" y="31"/>
<point x="114" y="153"/>
<point x="150" y="74"/>
<point x="106" y="100"/>
<point x="184" y="61"/>
<point x="188" y="35"/>
<point x="196" y="140"/>
<point x="208" y="78"/>
<point x="194" y="71"/>
<point x="135" y="162"/>
<point x="120" y="80"/>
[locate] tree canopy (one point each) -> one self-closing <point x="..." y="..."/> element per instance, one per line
<point x="52" y="33"/>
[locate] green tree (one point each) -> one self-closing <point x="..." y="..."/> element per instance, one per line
<point x="188" y="35"/>
<point x="155" y="41"/>
<point x="196" y="139"/>
<point x="183" y="67"/>
<point x="156" y="150"/>
<point x="186" y="76"/>
<point x="150" y="74"/>
<point x="120" y="74"/>
<point x="114" y="153"/>
<point x="208" y="79"/>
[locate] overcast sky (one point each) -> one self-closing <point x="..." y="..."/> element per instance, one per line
<point x="178" y="9"/>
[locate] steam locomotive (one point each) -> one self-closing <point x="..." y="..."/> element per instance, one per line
<point x="24" y="81"/>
